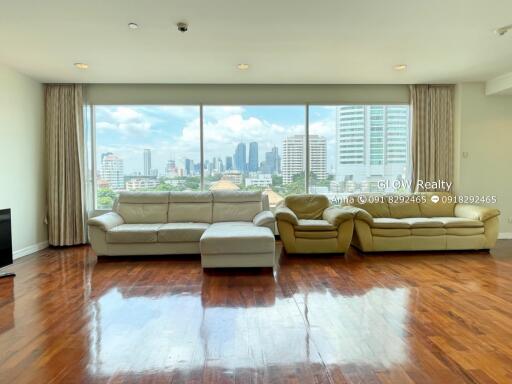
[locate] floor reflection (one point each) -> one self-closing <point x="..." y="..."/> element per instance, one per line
<point x="7" y="304"/>
<point x="254" y="328"/>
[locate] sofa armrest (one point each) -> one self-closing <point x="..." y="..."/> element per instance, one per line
<point x="475" y="212"/>
<point x="337" y="215"/>
<point x="286" y="214"/>
<point x="264" y="218"/>
<point x="361" y="214"/>
<point x="106" y="221"/>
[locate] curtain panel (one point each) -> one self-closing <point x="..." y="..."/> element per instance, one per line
<point x="432" y="134"/>
<point x="64" y="150"/>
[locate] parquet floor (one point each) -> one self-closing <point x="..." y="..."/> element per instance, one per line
<point x="392" y="318"/>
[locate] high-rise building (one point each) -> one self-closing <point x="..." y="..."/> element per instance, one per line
<point x="112" y="170"/>
<point x="229" y="163"/>
<point x="272" y="163"/>
<point x="318" y="157"/>
<point x="253" y="163"/>
<point x="240" y="158"/>
<point x="294" y="157"/>
<point x="147" y="162"/>
<point x="189" y="167"/>
<point x="371" y="141"/>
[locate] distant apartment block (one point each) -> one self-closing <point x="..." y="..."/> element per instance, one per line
<point x="294" y="157"/>
<point x="112" y="170"/>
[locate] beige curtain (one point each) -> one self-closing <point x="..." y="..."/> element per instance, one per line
<point x="65" y="148"/>
<point x="432" y="134"/>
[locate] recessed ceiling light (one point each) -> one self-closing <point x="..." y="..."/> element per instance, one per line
<point x="243" y="67"/>
<point x="133" y="25"/>
<point x="400" y="67"/>
<point x="81" y="65"/>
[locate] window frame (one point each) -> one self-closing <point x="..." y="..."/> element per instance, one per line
<point x="306" y="106"/>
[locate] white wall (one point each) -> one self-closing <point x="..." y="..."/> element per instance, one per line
<point x="22" y="159"/>
<point x="483" y="156"/>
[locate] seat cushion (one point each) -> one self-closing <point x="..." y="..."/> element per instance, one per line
<point x="314" y="225"/>
<point x="423" y="222"/>
<point x="134" y="233"/>
<point x="468" y="231"/>
<point x="386" y="222"/>
<point x="316" y="234"/>
<point x="391" y="232"/>
<point x="428" y="231"/>
<point x="459" y="222"/>
<point x="181" y="232"/>
<point x="237" y="238"/>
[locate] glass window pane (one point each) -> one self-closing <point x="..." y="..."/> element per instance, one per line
<point x="255" y="148"/>
<point x="359" y="148"/>
<point x="146" y="148"/>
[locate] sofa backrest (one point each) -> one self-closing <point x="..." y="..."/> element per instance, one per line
<point x="309" y="207"/>
<point x="143" y="207"/>
<point x="237" y="205"/>
<point x="203" y="207"/>
<point x="190" y="207"/>
<point x="402" y="206"/>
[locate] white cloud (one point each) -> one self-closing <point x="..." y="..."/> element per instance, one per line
<point x="125" y="121"/>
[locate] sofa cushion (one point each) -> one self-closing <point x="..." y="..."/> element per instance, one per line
<point x="236" y="206"/>
<point x="314" y="225"/>
<point x="375" y="204"/>
<point x="237" y="238"/>
<point x="459" y="222"/>
<point x="467" y="231"/>
<point x="428" y="231"/>
<point x="190" y="207"/>
<point x="143" y="207"/>
<point x="391" y="232"/>
<point x="439" y="209"/>
<point x="181" y="232"/>
<point x="309" y="207"/>
<point x="400" y="210"/>
<point x="389" y="223"/>
<point x="134" y="233"/>
<point x="423" y="222"/>
<point x="316" y="234"/>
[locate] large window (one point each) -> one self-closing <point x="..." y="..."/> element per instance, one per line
<point x="146" y="148"/>
<point x="359" y="148"/>
<point x="351" y="148"/>
<point x="255" y="148"/>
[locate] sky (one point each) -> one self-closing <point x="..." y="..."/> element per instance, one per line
<point x="172" y="132"/>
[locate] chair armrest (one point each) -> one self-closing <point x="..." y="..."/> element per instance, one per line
<point x="361" y="214"/>
<point x="286" y="214"/>
<point x="337" y="215"/>
<point x="264" y="218"/>
<point x="106" y="221"/>
<point x="475" y="212"/>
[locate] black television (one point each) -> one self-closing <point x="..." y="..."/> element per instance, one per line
<point x="5" y="241"/>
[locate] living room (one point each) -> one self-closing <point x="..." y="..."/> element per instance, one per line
<point x="217" y="192"/>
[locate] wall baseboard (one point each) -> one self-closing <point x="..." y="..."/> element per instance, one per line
<point x="505" y="236"/>
<point x="30" y="249"/>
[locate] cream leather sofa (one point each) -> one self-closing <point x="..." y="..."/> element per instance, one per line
<point x="309" y="224"/>
<point x="385" y="223"/>
<point x="228" y="228"/>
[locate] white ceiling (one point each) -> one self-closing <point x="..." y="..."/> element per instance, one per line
<point x="284" y="41"/>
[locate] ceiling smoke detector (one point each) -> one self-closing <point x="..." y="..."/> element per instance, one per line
<point x="503" y="30"/>
<point x="182" y="27"/>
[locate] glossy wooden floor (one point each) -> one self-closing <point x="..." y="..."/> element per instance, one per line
<point x="422" y="318"/>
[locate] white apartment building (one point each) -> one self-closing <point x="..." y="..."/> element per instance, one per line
<point x="372" y="143"/>
<point x="141" y="183"/>
<point x="260" y="180"/>
<point x="112" y="171"/>
<point x="294" y="157"/>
